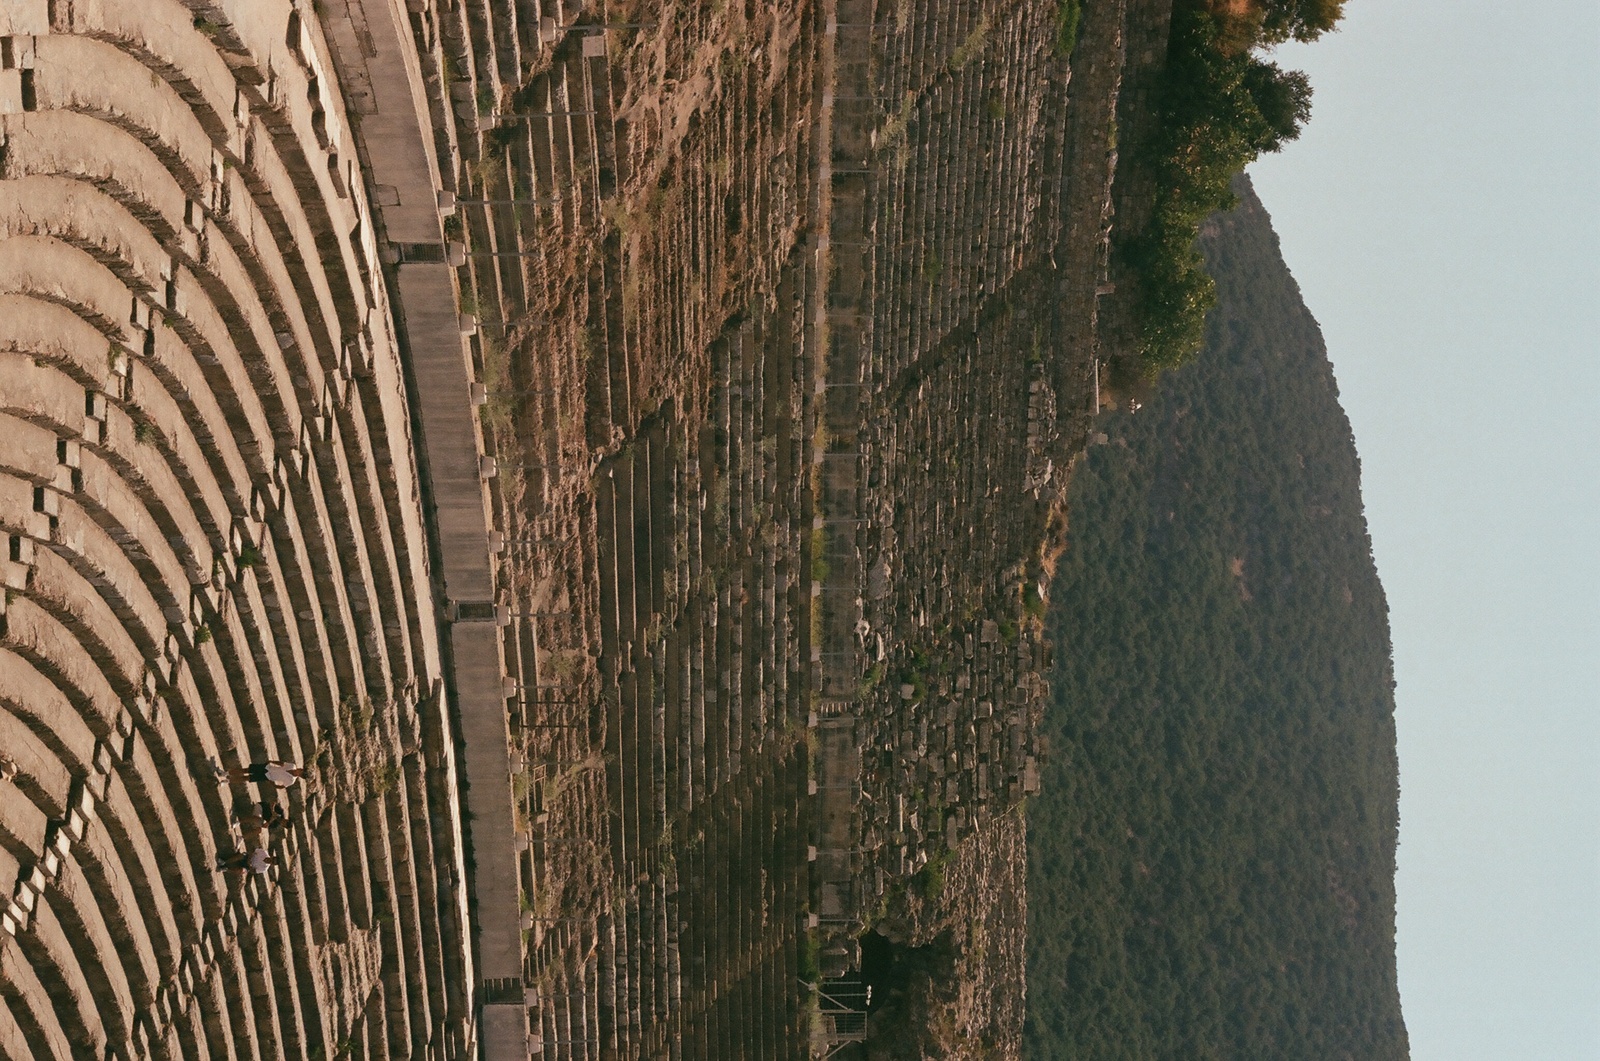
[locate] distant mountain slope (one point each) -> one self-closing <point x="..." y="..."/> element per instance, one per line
<point x="1212" y="858"/>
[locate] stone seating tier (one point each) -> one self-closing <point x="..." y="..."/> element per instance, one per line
<point x="222" y="479"/>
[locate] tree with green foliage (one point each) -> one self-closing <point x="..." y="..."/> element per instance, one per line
<point x="1221" y="104"/>
<point x="1301" y="20"/>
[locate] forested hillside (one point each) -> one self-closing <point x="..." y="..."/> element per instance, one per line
<point x="1212" y="857"/>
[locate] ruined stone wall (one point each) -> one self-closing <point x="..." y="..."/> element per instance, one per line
<point x="965" y="395"/>
<point x="781" y="375"/>
<point x="631" y="206"/>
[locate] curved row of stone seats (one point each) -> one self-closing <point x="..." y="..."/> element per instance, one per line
<point x="260" y="329"/>
<point x="47" y="397"/>
<point x="247" y="231"/>
<point x="179" y="354"/>
<point x="58" y="417"/>
<point x="211" y="537"/>
<point x="214" y="511"/>
<point x="88" y="219"/>
<point x="33" y="632"/>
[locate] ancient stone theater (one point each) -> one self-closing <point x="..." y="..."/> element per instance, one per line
<point x="525" y="523"/>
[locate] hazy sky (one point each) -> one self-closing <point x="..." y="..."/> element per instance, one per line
<point x="1442" y="215"/>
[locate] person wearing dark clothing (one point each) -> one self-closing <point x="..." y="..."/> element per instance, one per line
<point x="273" y="771"/>
<point x="257" y="861"/>
<point x="268" y="815"/>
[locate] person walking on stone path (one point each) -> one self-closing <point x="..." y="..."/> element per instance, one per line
<point x="257" y="861"/>
<point x="274" y="815"/>
<point x="268" y="816"/>
<point x="273" y="771"/>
